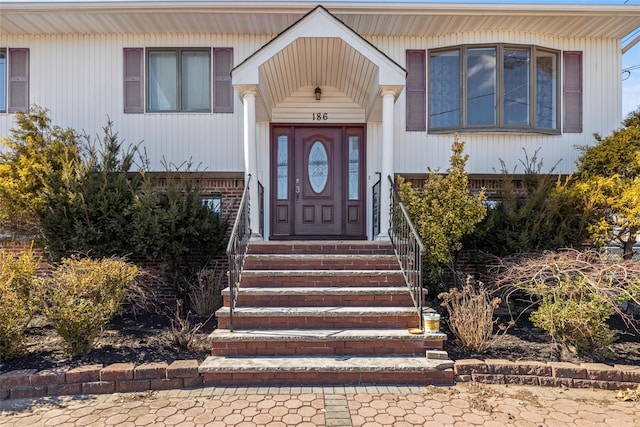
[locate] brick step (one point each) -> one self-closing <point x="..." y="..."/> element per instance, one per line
<point x="290" y="342"/>
<point x="353" y="247"/>
<point x="318" y="317"/>
<point x="321" y="297"/>
<point x="325" y="370"/>
<point x="320" y="262"/>
<point x="321" y="278"/>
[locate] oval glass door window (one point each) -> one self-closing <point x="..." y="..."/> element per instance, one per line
<point x="318" y="167"/>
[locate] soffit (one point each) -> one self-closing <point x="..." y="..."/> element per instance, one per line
<point x="366" y="18"/>
<point x="314" y="61"/>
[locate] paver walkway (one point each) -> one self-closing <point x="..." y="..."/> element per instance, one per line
<point x="465" y="404"/>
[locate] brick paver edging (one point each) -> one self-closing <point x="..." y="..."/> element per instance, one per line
<point x="96" y="379"/>
<point x="554" y="374"/>
<point x="126" y="377"/>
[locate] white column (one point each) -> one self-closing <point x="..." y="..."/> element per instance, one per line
<point x="251" y="159"/>
<point x="388" y="99"/>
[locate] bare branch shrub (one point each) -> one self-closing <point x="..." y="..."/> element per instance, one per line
<point x="206" y="294"/>
<point x="183" y="331"/>
<point x="471" y="314"/>
<point x="576" y="292"/>
<point x="141" y="293"/>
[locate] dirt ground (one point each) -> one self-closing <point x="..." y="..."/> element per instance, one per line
<point x="148" y="338"/>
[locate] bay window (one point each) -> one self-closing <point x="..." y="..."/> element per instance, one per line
<point x="493" y="87"/>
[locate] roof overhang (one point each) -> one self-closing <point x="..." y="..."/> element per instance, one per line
<point x="319" y="50"/>
<point x="365" y="18"/>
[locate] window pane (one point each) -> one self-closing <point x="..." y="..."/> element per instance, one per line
<point x="516" y="87"/>
<point x="444" y="89"/>
<point x="162" y="81"/>
<point x="3" y="81"/>
<point x="318" y="167"/>
<point x="546" y="87"/>
<point x="354" y="166"/>
<point x="283" y="167"/>
<point x="195" y="81"/>
<point x="481" y="86"/>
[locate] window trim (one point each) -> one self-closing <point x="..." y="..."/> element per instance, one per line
<point x="178" y="51"/>
<point x="500" y="126"/>
<point x="5" y="82"/>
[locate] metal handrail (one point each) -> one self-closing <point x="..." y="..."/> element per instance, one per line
<point x="377" y="199"/>
<point x="237" y="248"/>
<point x="408" y="248"/>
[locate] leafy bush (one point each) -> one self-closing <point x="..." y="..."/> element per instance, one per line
<point x="17" y="281"/>
<point x="576" y="293"/>
<point x="81" y="297"/>
<point x="576" y="316"/>
<point x="443" y="211"/>
<point x="470" y="312"/>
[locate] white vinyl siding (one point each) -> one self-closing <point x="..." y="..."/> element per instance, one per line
<point x="89" y="69"/>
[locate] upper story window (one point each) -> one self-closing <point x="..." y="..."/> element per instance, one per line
<point x="14" y="80"/>
<point x="188" y="80"/>
<point x="494" y="87"/>
<point x="179" y="80"/>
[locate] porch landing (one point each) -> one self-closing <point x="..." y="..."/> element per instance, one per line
<point x="325" y="313"/>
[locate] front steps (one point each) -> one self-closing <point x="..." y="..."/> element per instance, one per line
<point x="322" y="313"/>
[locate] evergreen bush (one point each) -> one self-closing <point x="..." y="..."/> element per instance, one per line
<point x="443" y="212"/>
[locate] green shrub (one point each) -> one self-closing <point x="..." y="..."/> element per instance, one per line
<point x="89" y="209"/>
<point x="81" y="297"/>
<point x="34" y="154"/>
<point x="177" y="229"/>
<point x="542" y="215"/>
<point x="17" y="281"/>
<point x="575" y="293"/>
<point x="576" y="316"/>
<point x="443" y="212"/>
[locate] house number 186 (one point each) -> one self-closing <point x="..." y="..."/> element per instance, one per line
<point x="319" y="117"/>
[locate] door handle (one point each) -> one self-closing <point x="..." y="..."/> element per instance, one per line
<point x="297" y="190"/>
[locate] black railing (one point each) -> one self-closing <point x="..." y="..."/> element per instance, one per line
<point x="237" y="248"/>
<point x="376" y="206"/>
<point x="261" y="208"/>
<point x="408" y="248"/>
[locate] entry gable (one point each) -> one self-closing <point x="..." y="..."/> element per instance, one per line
<point x="306" y="48"/>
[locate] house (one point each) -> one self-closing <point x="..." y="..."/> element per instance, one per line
<point x="318" y="102"/>
<point x="309" y="108"/>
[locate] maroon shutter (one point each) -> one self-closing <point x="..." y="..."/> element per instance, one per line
<point x="222" y="89"/>
<point x="133" y="80"/>
<point x="416" y="90"/>
<point x="572" y="92"/>
<point x="18" y="80"/>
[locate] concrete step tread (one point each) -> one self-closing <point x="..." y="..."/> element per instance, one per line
<point x="318" y="311"/>
<point x="321" y="256"/>
<point x="217" y="364"/>
<point x="222" y="335"/>
<point x="308" y="290"/>
<point x="320" y="273"/>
